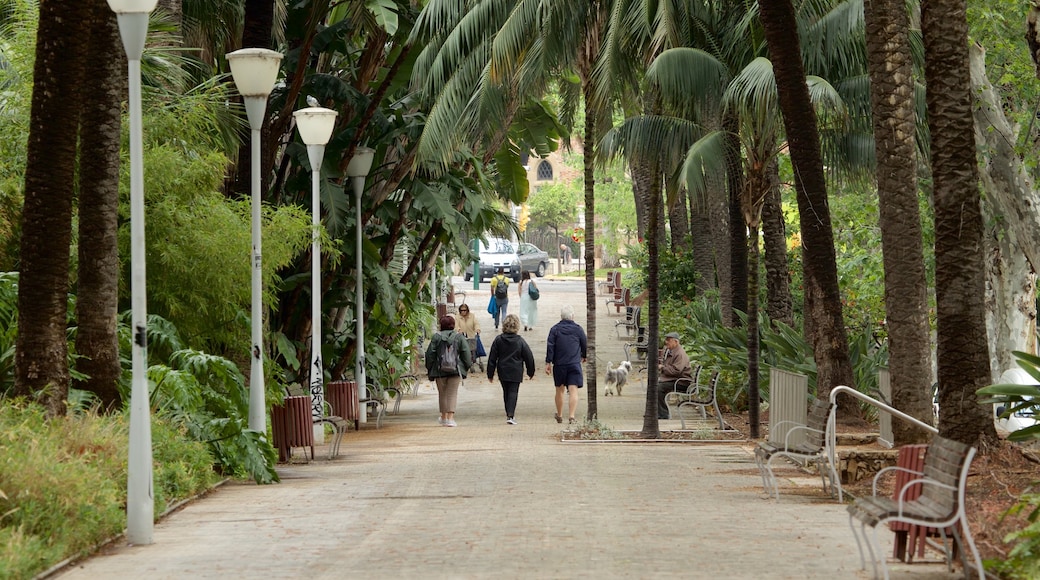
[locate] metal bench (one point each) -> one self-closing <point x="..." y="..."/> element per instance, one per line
<point x="631" y="321"/>
<point x="813" y="449"/>
<point x="942" y="484"/>
<point x="690" y="394"/>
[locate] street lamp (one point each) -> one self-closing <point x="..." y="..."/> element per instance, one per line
<point x="315" y="125"/>
<point x="140" y="511"/>
<point x="255" y="71"/>
<point x="357" y="170"/>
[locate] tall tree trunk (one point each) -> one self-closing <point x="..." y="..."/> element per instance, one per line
<point x="257" y="26"/>
<point x="588" y="158"/>
<point x="752" y="332"/>
<point x="641" y="195"/>
<point x="97" y="298"/>
<point x="679" y="221"/>
<point x="702" y="243"/>
<point x="906" y="298"/>
<point x="963" y="360"/>
<point x="823" y="299"/>
<point x="719" y="229"/>
<point x="651" y="424"/>
<point x="41" y="351"/>
<point x="737" y="231"/>
<point x="774" y="234"/>
<point x="1013" y="245"/>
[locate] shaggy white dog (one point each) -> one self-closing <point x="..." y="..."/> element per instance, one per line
<point x="617" y="378"/>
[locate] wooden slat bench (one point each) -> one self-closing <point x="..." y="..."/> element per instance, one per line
<point x="942" y="481"/>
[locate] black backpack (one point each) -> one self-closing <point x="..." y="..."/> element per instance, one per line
<point x="502" y="288"/>
<point x="448" y="354"/>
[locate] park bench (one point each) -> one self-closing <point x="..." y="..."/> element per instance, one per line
<point x="942" y="484"/>
<point x="640" y="349"/>
<point x="811" y="449"/>
<point x="622" y="299"/>
<point x="631" y="321"/>
<point x="690" y="394"/>
<point x="613" y="281"/>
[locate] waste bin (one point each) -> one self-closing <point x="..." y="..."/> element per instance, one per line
<point x="343" y="397"/>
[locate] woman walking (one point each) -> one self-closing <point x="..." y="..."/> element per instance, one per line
<point x="565" y="352"/>
<point x="447" y="360"/>
<point x="510" y="354"/>
<point x="528" y="304"/>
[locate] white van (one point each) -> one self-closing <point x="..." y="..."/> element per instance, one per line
<point x="496" y="253"/>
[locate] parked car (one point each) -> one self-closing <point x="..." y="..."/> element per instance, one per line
<point x="532" y="259"/>
<point x="494" y="254"/>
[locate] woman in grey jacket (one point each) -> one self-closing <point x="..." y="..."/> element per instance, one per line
<point x="448" y="381"/>
<point x="510" y="354"/>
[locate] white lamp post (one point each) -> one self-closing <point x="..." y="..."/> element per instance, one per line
<point x="255" y="71"/>
<point x="140" y="510"/>
<point x="357" y="170"/>
<point x="315" y="125"/>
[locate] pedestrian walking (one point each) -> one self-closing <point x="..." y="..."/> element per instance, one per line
<point x="448" y="358"/>
<point x="529" y="294"/>
<point x="500" y="292"/>
<point x="565" y="352"/>
<point x="510" y="354"/>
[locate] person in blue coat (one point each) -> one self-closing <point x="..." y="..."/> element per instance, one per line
<point x="509" y="355"/>
<point x="565" y="354"/>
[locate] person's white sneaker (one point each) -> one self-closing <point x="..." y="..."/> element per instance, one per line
<point x="511" y="421"/>
<point x="440" y="420"/>
<point x="450" y="423"/>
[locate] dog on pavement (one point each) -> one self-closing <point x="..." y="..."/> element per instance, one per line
<point x="617" y="378"/>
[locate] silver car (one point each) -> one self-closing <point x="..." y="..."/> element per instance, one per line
<point x="496" y="253"/>
<point x="532" y="259"/>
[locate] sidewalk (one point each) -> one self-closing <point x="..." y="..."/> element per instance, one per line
<point x="486" y="499"/>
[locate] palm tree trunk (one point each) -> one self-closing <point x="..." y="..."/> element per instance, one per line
<point x="774" y="232"/>
<point x="97" y="298"/>
<point x="702" y="245"/>
<point x="41" y="351"/>
<point x="679" y="221"/>
<point x="738" y="273"/>
<point x="963" y="360"/>
<point x="823" y="298"/>
<point x="752" y="332"/>
<point x="906" y="298"/>
<point x="588" y="158"/>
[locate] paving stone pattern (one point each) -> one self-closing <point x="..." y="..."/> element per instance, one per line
<point x="486" y="499"/>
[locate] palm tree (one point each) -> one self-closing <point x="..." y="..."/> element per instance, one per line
<point x="98" y="266"/>
<point x="906" y="300"/>
<point x="962" y="355"/>
<point x="41" y="357"/>
<point x="822" y="296"/>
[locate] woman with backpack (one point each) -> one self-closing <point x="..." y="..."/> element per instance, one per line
<point x="447" y="360"/>
<point x="529" y="294"/>
<point x="500" y="291"/>
<point x="510" y="354"/>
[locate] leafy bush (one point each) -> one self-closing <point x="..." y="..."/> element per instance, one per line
<point x="710" y="343"/>
<point x="63" y="482"/>
<point x="1023" y="562"/>
<point x="1018" y="398"/>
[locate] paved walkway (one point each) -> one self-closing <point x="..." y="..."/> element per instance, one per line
<point x="486" y="499"/>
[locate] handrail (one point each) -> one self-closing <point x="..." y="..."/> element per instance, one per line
<point x="831" y="427"/>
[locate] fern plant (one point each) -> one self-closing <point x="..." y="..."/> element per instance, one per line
<point x="1024" y="399"/>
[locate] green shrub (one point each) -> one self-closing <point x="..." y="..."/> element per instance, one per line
<point x="1023" y="562"/>
<point x="63" y="482"/>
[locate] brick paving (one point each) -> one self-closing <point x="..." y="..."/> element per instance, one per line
<point x="486" y="499"/>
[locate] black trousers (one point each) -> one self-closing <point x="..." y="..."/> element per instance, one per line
<point x="663" y="388"/>
<point x="510" y="391"/>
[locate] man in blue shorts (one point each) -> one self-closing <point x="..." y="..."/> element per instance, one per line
<point x="565" y="353"/>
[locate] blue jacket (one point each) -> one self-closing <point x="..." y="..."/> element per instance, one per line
<point x="567" y="344"/>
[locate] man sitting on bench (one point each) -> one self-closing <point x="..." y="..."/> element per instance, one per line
<point x="673" y="365"/>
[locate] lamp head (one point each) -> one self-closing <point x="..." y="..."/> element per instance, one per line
<point x="131" y="6"/>
<point x="315" y="124"/>
<point x="254" y="70"/>
<point x="361" y="163"/>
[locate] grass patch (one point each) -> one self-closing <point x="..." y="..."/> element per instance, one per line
<point x="63" y="482"/>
